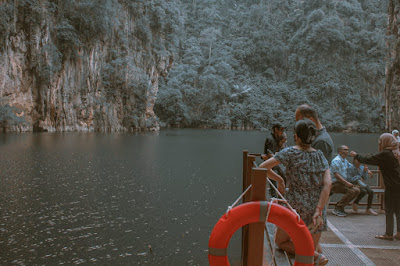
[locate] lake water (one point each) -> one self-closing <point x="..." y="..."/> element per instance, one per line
<point x="145" y="198"/>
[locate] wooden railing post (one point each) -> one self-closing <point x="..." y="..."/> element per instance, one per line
<point x="256" y="230"/>
<point x="245" y="153"/>
<point x="250" y="164"/>
<point x="248" y="161"/>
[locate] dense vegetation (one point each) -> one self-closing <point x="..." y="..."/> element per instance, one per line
<point x="248" y="64"/>
<point x="237" y="64"/>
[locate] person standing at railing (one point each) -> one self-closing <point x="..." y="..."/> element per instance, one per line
<point x="309" y="183"/>
<point x="272" y="145"/>
<point x="388" y="160"/>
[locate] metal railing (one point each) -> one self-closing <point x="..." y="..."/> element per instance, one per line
<point x="253" y="234"/>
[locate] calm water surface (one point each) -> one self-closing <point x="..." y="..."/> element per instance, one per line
<point x="86" y="198"/>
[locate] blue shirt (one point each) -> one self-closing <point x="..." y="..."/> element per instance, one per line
<point x="355" y="173"/>
<point x="339" y="165"/>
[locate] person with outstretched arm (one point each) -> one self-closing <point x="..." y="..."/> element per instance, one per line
<point x="388" y="160"/>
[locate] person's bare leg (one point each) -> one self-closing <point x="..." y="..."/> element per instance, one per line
<point x="283" y="241"/>
<point x="319" y="249"/>
<point x="316" y="238"/>
<point x="318" y="255"/>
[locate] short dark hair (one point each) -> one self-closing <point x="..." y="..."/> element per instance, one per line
<point x="307" y="111"/>
<point x="340" y="148"/>
<point x="277" y="126"/>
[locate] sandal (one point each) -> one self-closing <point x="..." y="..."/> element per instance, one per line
<point x="320" y="259"/>
<point x="384" y="237"/>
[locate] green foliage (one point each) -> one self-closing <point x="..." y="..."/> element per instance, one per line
<point x="67" y="36"/>
<point x="171" y="108"/>
<point x="46" y="64"/>
<point x="236" y="64"/>
<point x="122" y="78"/>
<point x="250" y="63"/>
<point x="142" y="31"/>
<point x="92" y="19"/>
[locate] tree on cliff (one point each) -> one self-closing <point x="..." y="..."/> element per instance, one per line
<point x="289" y="52"/>
<point x="236" y="64"/>
<point x="392" y="88"/>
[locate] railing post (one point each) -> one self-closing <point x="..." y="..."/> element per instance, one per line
<point x="245" y="153"/>
<point x="248" y="161"/>
<point x="250" y="164"/>
<point x="256" y="230"/>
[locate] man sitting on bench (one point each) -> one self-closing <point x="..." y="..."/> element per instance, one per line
<point x="340" y="183"/>
<point x="357" y="175"/>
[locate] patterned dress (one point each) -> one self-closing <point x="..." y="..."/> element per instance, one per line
<point x="304" y="175"/>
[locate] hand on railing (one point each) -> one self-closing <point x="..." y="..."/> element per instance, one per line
<point x="281" y="187"/>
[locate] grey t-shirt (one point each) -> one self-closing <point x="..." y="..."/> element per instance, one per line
<point x="324" y="142"/>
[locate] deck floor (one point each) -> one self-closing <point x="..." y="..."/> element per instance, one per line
<point x="350" y="241"/>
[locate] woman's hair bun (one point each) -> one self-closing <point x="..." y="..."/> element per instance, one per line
<point x="306" y="130"/>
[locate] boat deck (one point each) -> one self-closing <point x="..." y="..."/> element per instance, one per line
<point x="350" y="241"/>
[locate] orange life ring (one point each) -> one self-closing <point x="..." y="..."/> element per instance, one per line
<point x="256" y="211"/>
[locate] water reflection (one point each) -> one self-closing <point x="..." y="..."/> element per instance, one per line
<point x="147" y="198"/>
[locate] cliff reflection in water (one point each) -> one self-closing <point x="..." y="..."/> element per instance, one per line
<point x="71" y="198"/>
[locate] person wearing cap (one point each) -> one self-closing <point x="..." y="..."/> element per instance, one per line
<point x="272" y="145"/>
<point x="396" y="134"/>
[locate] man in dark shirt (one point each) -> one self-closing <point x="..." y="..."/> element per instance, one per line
<point x="323" y="141"/>
<point x="272" y="145"/>
<point x="272" y="142"/>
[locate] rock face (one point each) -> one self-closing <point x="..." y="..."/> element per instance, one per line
<point x="54" y="84"/>
<point x="392" y="86"/>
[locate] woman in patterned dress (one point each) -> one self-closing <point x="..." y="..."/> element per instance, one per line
<point x="308" y="181"/>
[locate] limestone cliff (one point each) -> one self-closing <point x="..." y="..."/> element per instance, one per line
<point x="53" y="77"/>
<point x="392" y="86"/>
